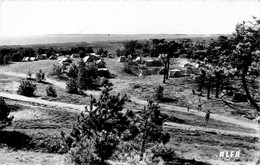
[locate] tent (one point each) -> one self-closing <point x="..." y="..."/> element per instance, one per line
<point x="137" y="60"/>
<point x="157" y="62"/>
<point x="143" y="72"/>
<point x="122" y="59"/>
<point x="65" y="60"/>
<point x="104" y="72"/>
<point x="53" y="57"/>
<point x="32" y="58"/>
<point x="75" y="55"/>
<point x="26" y="59"/>
<point x="149" y="62"/>
<point x="41" y="56"/>
<point x="87" y="59"/>
<point x="183" y="56"/>
<point x="99" y="81"/>
<point x="176" y="73"/>
<point x="94" y="56"/>
<point x="239" y="97"/>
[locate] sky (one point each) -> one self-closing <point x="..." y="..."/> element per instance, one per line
<point x="40" y="17"/>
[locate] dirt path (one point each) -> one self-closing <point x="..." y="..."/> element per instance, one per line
<point x="134" y="99"/>
<point x="48" y="80"/>
<point x="195" y="112"/>
<point x="207" y="130"/>
<point x="40" y="101"/>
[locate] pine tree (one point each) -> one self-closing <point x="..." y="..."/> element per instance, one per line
<point x="71" y="86"/>
<point x="150" y="127"/>
<point x="5" y="120"/>
<point x="40" y="76"/>
<point x="99" y="131"/>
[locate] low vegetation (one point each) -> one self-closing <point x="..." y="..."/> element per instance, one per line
<point x="26" y="88"/>
<point x="5" y="119"/>
<point x="51" y="91"/>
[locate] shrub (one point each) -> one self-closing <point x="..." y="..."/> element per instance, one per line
<point x="40" y="76"/>
<point x="73" y="71"/>
<point x="26" y="88"/>
<point x="4" y="113"/>
<point x="57" y="70"/>
<point x="100" y="130"/>
<point x="159" y="93"/>
<point x="150" y="125"/>
<point x="51" y="91"/>
<point x="72" y="86"/>
<point x="29" y="75"/>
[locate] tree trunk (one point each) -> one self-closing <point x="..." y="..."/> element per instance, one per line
<point x="217" y="87"/>
<point x="165" y="72"/>
<point x="245" y="69"/>
<point x="168" y="66"/>
<point x="208" y="86"/>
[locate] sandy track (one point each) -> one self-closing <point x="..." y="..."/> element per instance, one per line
<point x="244" y="124"/>
<point x="207" y="130"/>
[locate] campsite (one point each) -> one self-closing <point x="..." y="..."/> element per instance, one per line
<point x="129" y="83"/>
<point x="40" y="119"/>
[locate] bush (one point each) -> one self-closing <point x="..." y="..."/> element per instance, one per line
<point x="40" y="76"/>
<point x="159" y="93"/>
<point x="57" y="70"/>
<point x="73" y="71"/>
<point x="51" y="91"/>
<point x="100" y="130"/>
<point x="29" y="75"/>
<point x="72" y="86"/>
<point x="4" y="113"/>
<point x="26" y="88"/>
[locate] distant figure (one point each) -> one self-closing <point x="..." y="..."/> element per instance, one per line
<point x="199" y="106"/>
<point x="193" y="92"/>
<point x="207" y="116"/>
<point x="188" y="108"/>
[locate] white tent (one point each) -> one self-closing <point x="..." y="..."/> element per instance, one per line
<point x="75" y="55"/>
<point x="176" y="73"/>
<point x="32" y="59"/>
<point x="42" y="56"/>
<point x="86" y="59"/>
<point x="149" y="62"/>
<point x="138" y="59"/>
<point x="122" y="59"/>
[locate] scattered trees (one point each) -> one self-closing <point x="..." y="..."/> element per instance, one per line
<point x="26" y="88"/>
<point x="5" y="119"/>
<point x="40" y="76"/>
<point x="51" y="91"/>
<point x="105" y="125"/>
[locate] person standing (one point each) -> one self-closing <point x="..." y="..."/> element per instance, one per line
<point x="199" y="106"/>
<point x="207" y="116"/>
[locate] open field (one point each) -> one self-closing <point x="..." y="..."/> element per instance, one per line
<point x="38" y="128"/>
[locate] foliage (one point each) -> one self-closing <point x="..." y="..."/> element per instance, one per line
<point x="29" y="75"/>
<point x="5" y="120"/>
<point x="71" y="86"/>
<point x="150" y="125"/>
<point x="40" y="76"/>
<point x="100" y="130"/>
<point x="159" y="93"/>
<point x="26" y="88"/>
<point x="73" y="71"/>
<point x="51" y="91"/>
<point x="57" y="70"/>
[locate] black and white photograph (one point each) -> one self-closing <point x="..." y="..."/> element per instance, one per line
<point x="129" y="82"/>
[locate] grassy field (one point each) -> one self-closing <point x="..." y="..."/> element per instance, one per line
<point x="38" y="128"/>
